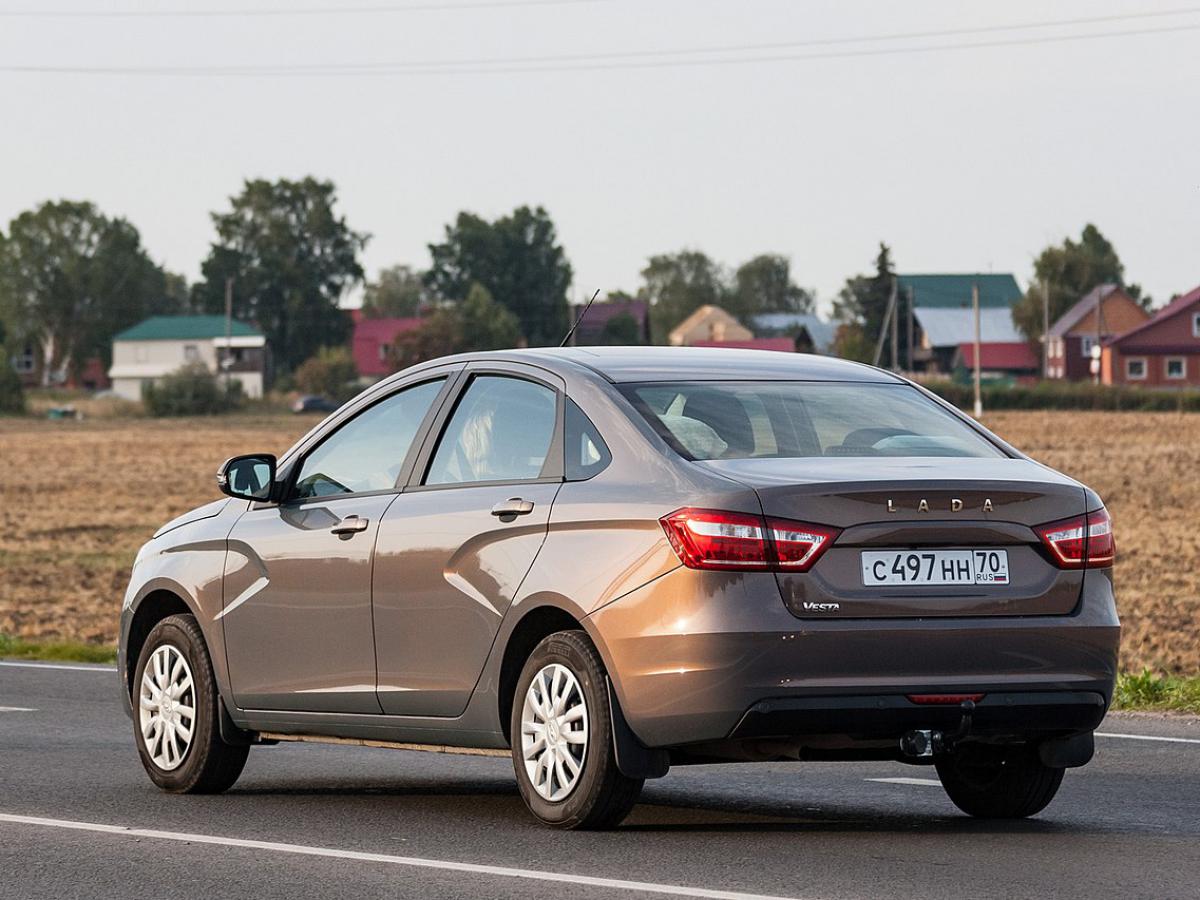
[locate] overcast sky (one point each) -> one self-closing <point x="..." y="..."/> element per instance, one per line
<point x="963" y="160"/>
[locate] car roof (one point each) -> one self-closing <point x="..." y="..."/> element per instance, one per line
<point x="632" y="364"/>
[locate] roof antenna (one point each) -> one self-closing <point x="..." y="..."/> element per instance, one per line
<point x="571" y="330"/>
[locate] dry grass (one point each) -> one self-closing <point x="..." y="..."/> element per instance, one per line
<point x="78" y="498"/>
<point x="1145" y="467"/>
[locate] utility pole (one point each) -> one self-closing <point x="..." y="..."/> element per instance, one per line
<point x="978" y="361"/>
<point x="895" y="326"/>
<point x="909" y="358"/>
<point x="227" y="356"/>
<point x="889" y="321"/>
<point x="1096" y="346"/>
<point x="1045" y="330"/>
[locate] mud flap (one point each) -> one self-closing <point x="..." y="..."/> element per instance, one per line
<point x="634" y="760"/>
<point x="230" y="733"/>
<point x="1068" y="753"/>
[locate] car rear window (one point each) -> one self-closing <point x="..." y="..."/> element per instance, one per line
<point x="795" y="419"/>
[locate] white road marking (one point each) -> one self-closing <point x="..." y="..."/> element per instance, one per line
<point x="16" y="709"/>
<point x="646" y="887"/>
<point x="40" y="665"/>
<point x="1147" y="737"/>
<point x="923" y="782"/>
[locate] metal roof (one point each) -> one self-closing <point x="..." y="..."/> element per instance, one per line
<point x="934" y="290"/>
<point x="951" y="327"/>
<point x="821" y="332"/>
<point x="184" y="328"/>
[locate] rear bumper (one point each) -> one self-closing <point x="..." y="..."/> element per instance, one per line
<point x="1031" y="714"/>
<point x="697" y="657"/>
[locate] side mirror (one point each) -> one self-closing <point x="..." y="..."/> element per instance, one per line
<point x="247" y="477"/>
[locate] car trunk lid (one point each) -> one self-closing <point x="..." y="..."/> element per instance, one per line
<point x="919" y="506"/>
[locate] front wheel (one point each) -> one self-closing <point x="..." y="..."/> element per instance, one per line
<point x="999" y="783"/>
<point x="176" y="709"/>
<point x="562" y="741"/>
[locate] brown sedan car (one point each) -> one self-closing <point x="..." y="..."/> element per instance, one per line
<point x="610" y="561"/>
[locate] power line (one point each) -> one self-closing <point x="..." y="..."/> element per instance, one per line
<point x="268" y="11"/>
<point x="579" y="63"/>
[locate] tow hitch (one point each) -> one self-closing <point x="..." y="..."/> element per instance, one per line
<point x="924" y="743"/>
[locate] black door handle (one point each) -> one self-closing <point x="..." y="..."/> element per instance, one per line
<point x="512" y="507"/>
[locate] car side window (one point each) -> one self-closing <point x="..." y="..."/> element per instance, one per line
<point x="366" y="453"/>
<point x="502" y="430"/>
<point x="586" y="454"/>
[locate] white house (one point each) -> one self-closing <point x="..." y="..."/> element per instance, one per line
<point x="164" y="344"/>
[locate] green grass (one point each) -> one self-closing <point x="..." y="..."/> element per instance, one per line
<point x="1148" y="691"/>
<point x="62" y="651"/>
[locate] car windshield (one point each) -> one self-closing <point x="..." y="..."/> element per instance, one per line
<point x="793" y="419"/>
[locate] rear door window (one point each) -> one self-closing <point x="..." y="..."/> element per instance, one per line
<point x="502" y="430"/>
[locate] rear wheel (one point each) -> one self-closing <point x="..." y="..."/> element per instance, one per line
<point x="176" y="713"/>
<point x="999" y="783"/>
<point x="562" y="742"/>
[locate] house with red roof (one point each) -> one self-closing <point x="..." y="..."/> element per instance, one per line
<point x="1163" y="351"/>
<point x="1103" y="313"/>
<point x="373" y="341"/>
<point x="999" y="359"/>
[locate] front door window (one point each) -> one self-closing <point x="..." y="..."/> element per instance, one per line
<point x="367" y="453"/>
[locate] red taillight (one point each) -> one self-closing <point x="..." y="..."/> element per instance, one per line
<point x="715" y="539"/>
<point x="1082" y="541"/>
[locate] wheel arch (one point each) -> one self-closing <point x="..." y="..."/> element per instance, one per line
<point x="536" y="624"/>
<point x="157" y="605"/>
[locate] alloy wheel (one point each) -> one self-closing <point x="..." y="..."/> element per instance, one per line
<point x="554" y="732"/>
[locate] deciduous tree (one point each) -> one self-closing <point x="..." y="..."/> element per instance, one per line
<point x="398" y="292"/>
<point x="677" y="284"/>
<point x="517" y="258"/>
<point x="1068" y="271"/>
<point x="764" y="285"/>
<point x="71" y="277"/>
<point x="292" y="258"/>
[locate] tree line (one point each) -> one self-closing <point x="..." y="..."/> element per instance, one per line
<point x="71" y="277"/>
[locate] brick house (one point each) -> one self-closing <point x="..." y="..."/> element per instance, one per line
<point x="1163" y="351"/>
<point x="1106" y="311"/>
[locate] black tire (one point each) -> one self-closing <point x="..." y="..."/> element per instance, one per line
<point x="601" y="797"/>
<point x="208" y="765"/>
<point x="999" y="783"/>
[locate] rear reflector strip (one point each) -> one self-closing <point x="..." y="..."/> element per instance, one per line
<point x="943" y="699"/>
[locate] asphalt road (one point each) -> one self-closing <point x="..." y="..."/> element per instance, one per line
<point x="77" y="812"/>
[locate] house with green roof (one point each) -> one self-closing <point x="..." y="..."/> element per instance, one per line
<point x="160" y="345"/>
<point x="937" y="315"/>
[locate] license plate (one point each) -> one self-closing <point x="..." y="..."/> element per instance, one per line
<point x="894" y="568"/>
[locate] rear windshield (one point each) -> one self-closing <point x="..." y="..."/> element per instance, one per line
<point x="793" y="419"/>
